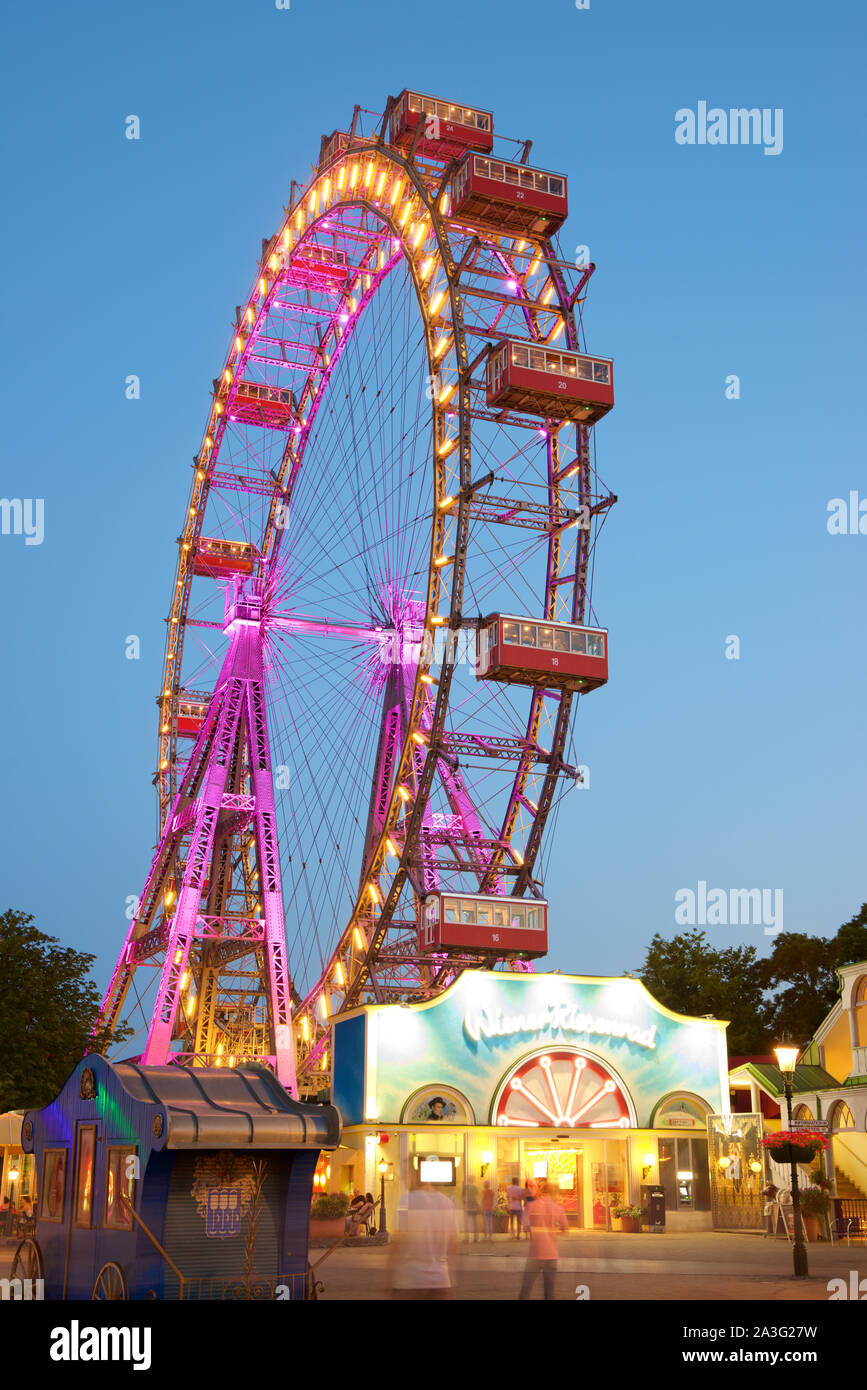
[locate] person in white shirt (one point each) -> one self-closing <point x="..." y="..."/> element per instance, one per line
<point x="421" y="1255"/>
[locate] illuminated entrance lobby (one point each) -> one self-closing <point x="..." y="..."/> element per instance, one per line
<point x="585" y="1081"/>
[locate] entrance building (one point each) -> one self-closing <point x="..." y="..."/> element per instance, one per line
<point x="585" y="1081"/>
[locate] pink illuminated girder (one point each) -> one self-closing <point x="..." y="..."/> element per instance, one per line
<point x="238" y="698"/>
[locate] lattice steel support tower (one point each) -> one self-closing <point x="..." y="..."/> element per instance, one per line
<point x="211" y="914"/>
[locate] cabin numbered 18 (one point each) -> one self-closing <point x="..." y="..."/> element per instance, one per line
<point x="553" y="384"/>
<point x="524" y="651"/>
<point x="484" y="922"/>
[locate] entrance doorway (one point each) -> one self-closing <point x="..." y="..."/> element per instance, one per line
<point x="563" y="1168"/>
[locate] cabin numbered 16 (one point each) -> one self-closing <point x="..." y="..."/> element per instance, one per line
<point x="558" y="656"/>
<point x="484" y="922"/>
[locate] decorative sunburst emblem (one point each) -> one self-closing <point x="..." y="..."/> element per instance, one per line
<point x="562" y="1089"/>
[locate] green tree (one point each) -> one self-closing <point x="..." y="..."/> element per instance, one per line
<point x="48" y="1009"/>
<point x="802" y="973"/>
<point x="850" y="943"/>
<point x="688" y="975"/>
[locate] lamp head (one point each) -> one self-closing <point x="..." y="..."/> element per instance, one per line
<point x="787" y="1057"/>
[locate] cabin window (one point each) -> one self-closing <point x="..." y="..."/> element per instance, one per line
<point x="482" y="121"/>
<point x="561" y="640"/>
<point x="546" y="638"/>
<point x="483" y="167"/>
<point x="468" y="913"/>
<point x="537" y="360"/>
<point x="52" y="1188"/>
<point x="528" y="634"/>
<point x="494" y="631"/>
<point x="450" y="910"/>
<point x="555" y="187"/>
<point x="516" y="922"/>
<point x="579" y="643"/>
<point x="526" y="178"/>
<point x="510" y="633"/>
<point x="595" y="644"/>
<point x="512" y="175"/>
<point x="414" y="102"/>
<point x="520" y="356"/>
<point x="483" y="914"/>
<point x="501" y="917"/>
<point x="584" y="368"/>
<point x="532" y="919"/>
<point x="600" y="372"/>
<point x="84" y="1174"/>
<point x="569" y="366"/>
<point x="119" y="1180"/>
<point x="497" y="171"/>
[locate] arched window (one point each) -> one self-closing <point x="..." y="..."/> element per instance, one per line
<point x="859" y="1004"/>
<point x="841" y="1116"/>
<point x="803" y="1112"/>
<point x="681" y="1112"/>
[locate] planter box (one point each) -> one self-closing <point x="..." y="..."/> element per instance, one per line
<point x="630" y="1224"/>
<point x="331" y="1229"/>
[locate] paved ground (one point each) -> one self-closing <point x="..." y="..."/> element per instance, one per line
<point x="710" y="1266"/>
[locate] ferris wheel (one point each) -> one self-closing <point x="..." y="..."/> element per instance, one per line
<point x="381" y="617"/>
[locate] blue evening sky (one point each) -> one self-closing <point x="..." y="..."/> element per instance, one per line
<point x="129" y="257"/>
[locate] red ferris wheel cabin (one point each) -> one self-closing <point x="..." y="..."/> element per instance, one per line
<point x="448" y="128"/>
<point x="509" y="197"/>
<point x="553" y="384"/>
<point x="484" y="922"/>
<point x="216" y="558"/>
<point x="558" y="656"/>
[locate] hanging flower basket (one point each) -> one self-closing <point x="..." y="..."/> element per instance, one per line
<point x="794" y="1145"/>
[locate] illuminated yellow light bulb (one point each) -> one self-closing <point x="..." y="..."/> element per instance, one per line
<point x="379" y="183"/>
<point x="403" y="793"/>
<point x="443" y="560"/>
<point x="437" y="302"/>
<point x="446" y="502"/>
<point x="358" y="939"/>
<point x="437" y="620"/>
<point x="420" y="738"/>
<point x="448" y="446"/>
<point x="391" y="847"/>
<point x="447" y="393"/>
<point x="338" y="974"/>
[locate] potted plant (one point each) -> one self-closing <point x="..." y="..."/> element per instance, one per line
<point x="328" y="1215"/>
<point x="802" y="1145"/>
<point x="815" y="1206"/>
<point x="819" y="1179"/>
<point x="629" y="1217"/>
<point x="501" y="1216"/>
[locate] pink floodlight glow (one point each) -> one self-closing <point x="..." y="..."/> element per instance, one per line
<point x="512" y="285"/>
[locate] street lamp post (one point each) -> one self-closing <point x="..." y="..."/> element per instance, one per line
<point x="383" y="1169"/>
<point x="786" y="1060"/>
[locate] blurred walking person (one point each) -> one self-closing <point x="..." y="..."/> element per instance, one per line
<point x="420" y="1256"/>
<point x="543" y="1218"/>
<point x="515" y="1200"/>
<point x="488" y="1200"/>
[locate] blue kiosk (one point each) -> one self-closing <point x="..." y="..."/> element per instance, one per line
<point x="173" y="1182"/>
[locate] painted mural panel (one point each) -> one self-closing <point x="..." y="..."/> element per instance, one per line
<point x="473" y="1036"/>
